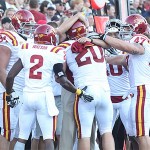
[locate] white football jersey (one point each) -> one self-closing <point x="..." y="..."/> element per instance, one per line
<point x="13" y="41"/>
<point x="38" y="61"/>
<point x="88" y="67"/>
<point x="139" y="65"/>
<point x="56" y="86"/>
<point x="118" y="79"/>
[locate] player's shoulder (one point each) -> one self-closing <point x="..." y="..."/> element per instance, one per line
<point x="11" y="37"/>
<point x="66" y="44"/>
<point x="56" y="49"/>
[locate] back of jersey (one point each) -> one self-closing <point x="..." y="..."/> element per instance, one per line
<point x="38" y="62"/>
<point x="88" y="67"/>
<point x="118" y="78"/>
<point x="13" y="41"/>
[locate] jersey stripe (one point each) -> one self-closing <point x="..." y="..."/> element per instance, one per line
<point x="25" y="46"/>
<point x="64" y="45"/>
<point x="76" y="114"/>
<point x="6" y="118"/>
<point x="12" y="37"/>
<point x="140" y="129"/>
<point x="56" y="49"/>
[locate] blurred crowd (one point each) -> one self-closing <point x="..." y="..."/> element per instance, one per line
<point x="54" y="12"/>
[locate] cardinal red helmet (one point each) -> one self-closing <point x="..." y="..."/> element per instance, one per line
<point x="21" y="19"/>
<point x="45" y="34"/>
<point x="77" y="30"/>
<point x="138" y="22"/>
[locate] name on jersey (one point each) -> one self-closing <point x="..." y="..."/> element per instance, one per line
<point x="40" y="46"/>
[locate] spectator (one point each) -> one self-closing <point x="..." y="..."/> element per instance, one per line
<point x="2" y="5"/>
<point x="135" y="7"/>
<point x="6" y="23"/>
<point x="91" y="21"/>
<point x="110" y="10"/>
<point x="77" y="5"/>
<point x="60" y="7"/>
<point x="9" y="12"/>
<point x="80" y="6"/>
<point x="87" y="3"/>
<point x="40" y="1"/>
<point x="56" y="19"/>
<point x="26" y="4"/>
<point x="43" y="7"/>
<point x="1" y="13"/>
<point x="12" y="4"/>
<point x="34" y="6"/>
<point x="51" y="10"/>
<point x="146" y="10"/>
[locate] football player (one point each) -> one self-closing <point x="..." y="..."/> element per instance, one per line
<point x="40" y="60"/>
<point x="118" y="79"/>
<point x="10" y="43"/>
<point x="84" y="60"/>
<point x="138" y="62"/>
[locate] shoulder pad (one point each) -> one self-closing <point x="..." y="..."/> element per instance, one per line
<point x="10" y="37"/>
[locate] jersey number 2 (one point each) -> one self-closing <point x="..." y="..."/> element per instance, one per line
<point x="33" y="74"/>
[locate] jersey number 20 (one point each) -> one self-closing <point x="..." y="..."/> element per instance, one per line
<point x="88" y="59"/>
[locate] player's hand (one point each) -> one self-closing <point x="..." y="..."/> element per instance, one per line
<point x="12" y="99"/>
<point x="84" y="40"/>
<point x="127" y="95"/>
<point x="84" y="95"/>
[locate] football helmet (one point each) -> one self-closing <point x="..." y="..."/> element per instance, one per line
<point x="45" y="34"/>
<point x="113" y="25"/>
<point x="138" y="23"/>
<point x="23" y="21"/>
<point x="126" y="32"/>
<point x="77" y="30"/>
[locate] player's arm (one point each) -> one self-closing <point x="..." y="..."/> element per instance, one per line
<point x="62" y="79"/>
<point x="17" y="67"/>
<point x="4" y="60"/>
<point x="117" y="60"/>
<point x="66" y="25"/>
<point x="131" y="48"/>
<point x="97" y="42"/>
<point x="66" y="84"/>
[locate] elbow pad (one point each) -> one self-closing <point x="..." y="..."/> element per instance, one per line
<point x="58" y="70"/>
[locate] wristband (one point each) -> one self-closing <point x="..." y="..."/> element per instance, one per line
<point x="78" y="91"/>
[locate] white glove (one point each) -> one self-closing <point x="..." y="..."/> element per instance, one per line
<point x="127" y="94"/>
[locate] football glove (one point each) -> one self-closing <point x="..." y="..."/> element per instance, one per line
<point x="102" y="36"/>
<point x="128" y="94"/>
<point x="12" y="99"/>
<point x="93" y="35"/>
<point x="83" y="95"/>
